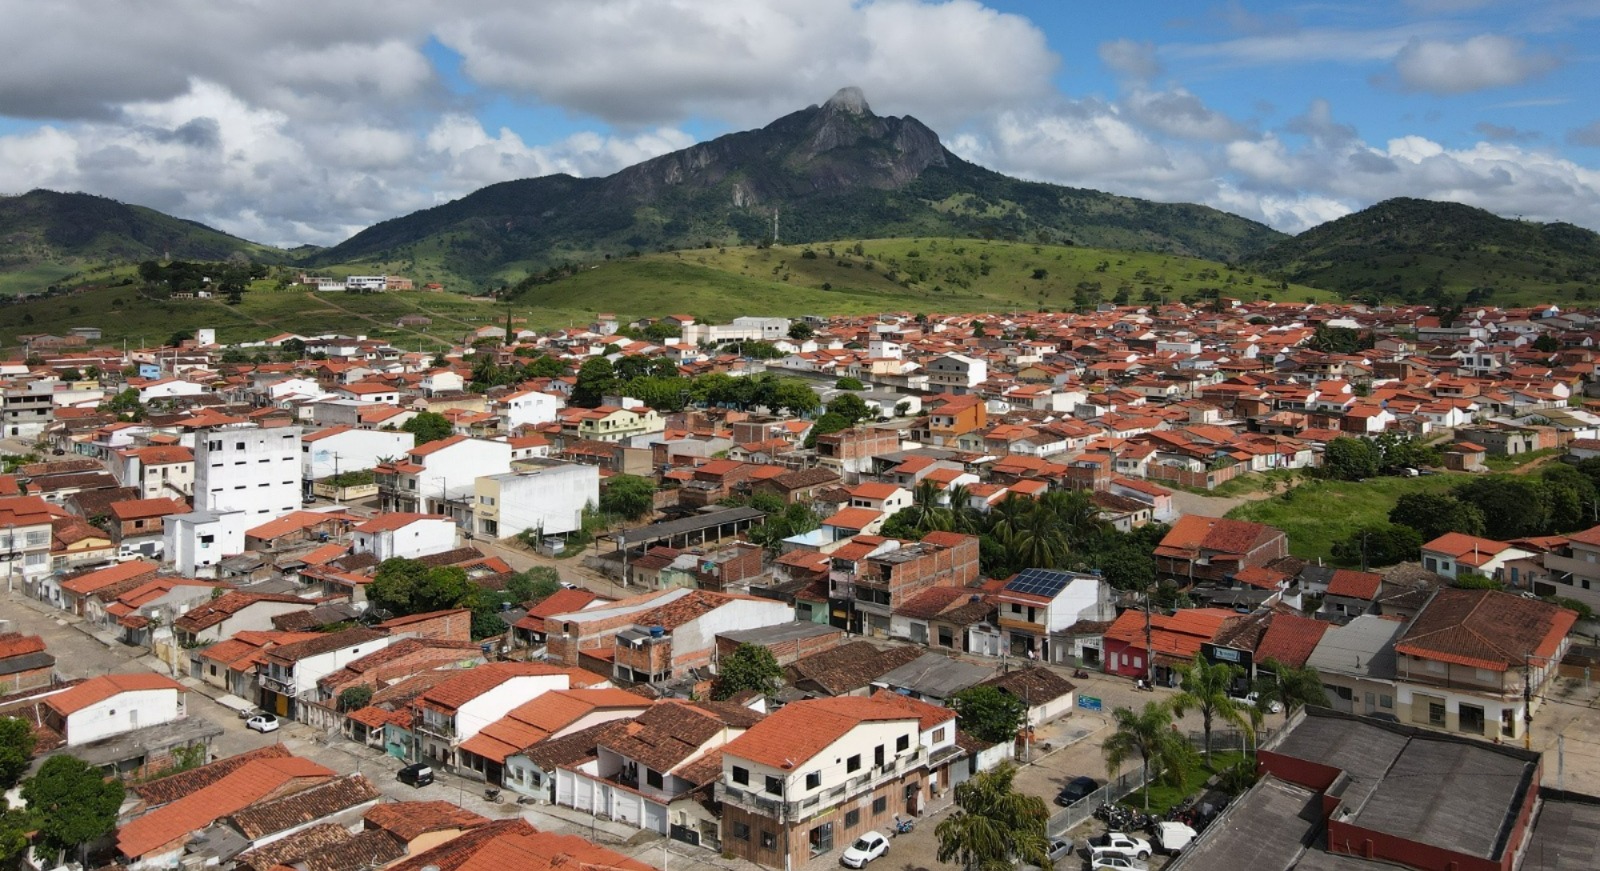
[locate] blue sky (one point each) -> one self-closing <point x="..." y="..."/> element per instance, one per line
<point x="299" y="121"/>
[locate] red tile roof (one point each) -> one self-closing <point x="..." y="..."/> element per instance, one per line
<point x="249" y="784"/>
<point x="1290" y="639"/>
<point x="800" y="730"/>
<point x="395" y="520"/>
<point x="98" y="689"/>
<point x="1486" y="629"/>
<point x="410" y="819"/>
<point x="1356" y="585"/>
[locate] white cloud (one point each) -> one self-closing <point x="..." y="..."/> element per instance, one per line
<point x="1181" y="114"/>
<point x="1482" y="62"/>
<point x="1131" y="58"/>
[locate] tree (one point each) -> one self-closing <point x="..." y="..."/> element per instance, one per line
<point x="1547" y="343"/>
<point x="1294" y="688"/>
<point x="177" y="339"/>
<point x="848" y="383"/>
<point x="1208" y="688"/>
<point x="1434" y="514"/>
<point x="1513" y="506"/>
<point x="748" y="667"/>
<point x="987" y="713"/>
<point x="596" y="378"/>
<point x="994" y="826"/>
<point x="800" y="331"/>
<point x="1381" y="544"/>
<point x="73" y="803"/>
<point x="406" y="586"/>
<point x="628" y="496"/>
<point x="355" y="698"/>
<point x="977" y="330"/>
<point x="828" y="423"/>
<point x="850" y="407"/>
<point x="533" y="585"/>
<point x="428" y="426"/>
<point x="15" y="826"/>
<point x="1148" y="734"/>
<point x="16" y="749"/>
<point x="1351" y="459"/>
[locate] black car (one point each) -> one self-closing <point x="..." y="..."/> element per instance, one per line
<point x="1077" y="789"/>
<point x="416" y="774"/>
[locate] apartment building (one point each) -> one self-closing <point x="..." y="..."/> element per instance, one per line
<point x="864" y="591"/>
<point x="253" y="470"/>
<point x="546" y="496"/>
<point x="26" y="537"/>
<point x="440" y="477"/>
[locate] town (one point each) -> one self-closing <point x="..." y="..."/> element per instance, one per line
<point x="789" y="593"/>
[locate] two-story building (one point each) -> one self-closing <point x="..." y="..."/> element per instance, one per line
<point x="440" y="477"/>
<point x="1454" y="554"/>
<point x="338" y="450"/>
<point x="1200" y="548"/>
<point x="289" y="671"/>
<point x="157" y="471"/>
<point x="27" y="540"/>
<point x="1572" y="570"/>
<point x="864" y="592"/>
<point x="546" y="496"/>
<point x="456" y="709"/>
<point x="1037" y="607"/>
<point x="498" y="753"/>
<point x="818" y="773"/>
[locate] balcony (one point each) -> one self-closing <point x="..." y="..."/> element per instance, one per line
<point x="768" y="805"/>
<point x="281" y="686"/>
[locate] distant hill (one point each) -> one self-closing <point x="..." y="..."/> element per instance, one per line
<point x="830" y="172"/>
<point x="1417" y="250"/>
<point x="46" y="236"/>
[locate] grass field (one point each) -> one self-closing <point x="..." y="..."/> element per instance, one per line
<point x="1318" y="513"/>
<point x="1164" y="798"/>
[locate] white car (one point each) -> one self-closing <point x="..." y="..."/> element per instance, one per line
<point x="866" y="848"/>
<point x="1121" y="844"/>
<point x="1251" y="700"/>
<point x="262" y="723"/>
<point x="1115" y="861"/>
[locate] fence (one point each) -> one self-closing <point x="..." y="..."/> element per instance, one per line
<point x="1080" y="811"/>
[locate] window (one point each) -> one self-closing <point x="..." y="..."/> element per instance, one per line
<point x="880" y="804"/>
<point x="741" y="831"/>
<point x="851" y="764"/>
<point x="1436" y="713"/>
<point x="877" y="756"/>
<point x="938" y="734"/>
<point x="852" y="819"/>
<point x="813" y="780"/>
<point x="652" y="778"/>
<point x="901" y="743"/>
<point x="741" y="776"/>
<point x="774" y="785"/>
<point x="1471" y="719"/>
<point x="1385" y="701"/>
<point x="769" y="840"/>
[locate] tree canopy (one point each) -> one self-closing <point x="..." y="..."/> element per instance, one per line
<point x="428" y="426"/>
<point x="72" y="802"/>
<point x="995" y="826"/>
<point x="628" y="496"/>
<point x="988" y="713"/>
<point x="748" y="667"/>
<point x="16" y="750"/>
<point x="406" y="586"/>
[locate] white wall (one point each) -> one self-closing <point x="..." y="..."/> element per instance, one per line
<point x="184" y="537"/>
<point x="252" y="470"/>
<point x="551" y="498"/>
<point x="418" y="538"/>
<point x="831" y="761"/>
<point x="531" y="407"/>
<point x="496" y="703"/>
<point x="123" y="712"/>
<point x="457" y="467"/>
<point x="733" y="616"/>
<point x="310" y="669"/>
<point x="350" y="451"/>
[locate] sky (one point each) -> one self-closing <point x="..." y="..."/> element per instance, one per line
<point x="289" y="121"/>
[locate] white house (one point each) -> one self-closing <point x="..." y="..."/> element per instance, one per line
<point x="195" y="542"/>
<point x="404" y="535"/>
<point x="234" y="612"/>
<point x="1038" y="606"/>
<point x="458" y="708"/>
<point x="254" y="470"/>
<point x="113" y="704"/>
<point x="167" y="388"/>
<point x="27" y="540"/>
<point x="526" y="407"/>
<point x="544" y="495"/>
<point x="292" y="670"/>
<point x="439" y="477"/>
<point x="956" y="373"/>
<point x="340" y="449"/>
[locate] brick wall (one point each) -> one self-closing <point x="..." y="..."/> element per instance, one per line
<point x="448" y="626"/>
<point x="955" y="566"/>
<point x="797" y="836"/>
<point x="25" y="680"/>
<point x="743" y="565"/>
<point x="787" y="651"/>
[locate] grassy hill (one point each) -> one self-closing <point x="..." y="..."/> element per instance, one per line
<point x="1417" y="250"/>
<point x="926" y="275"/>
<point x="68" y="238"/>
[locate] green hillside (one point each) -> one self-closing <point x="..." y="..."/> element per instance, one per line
<point x="918" y="275"/>
<point x="1419" y="251"/>
<point x="70" y="238"/>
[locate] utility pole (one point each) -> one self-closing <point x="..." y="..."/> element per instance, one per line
<point x="1149" y="645"/>
<point x="1527" y="701"/>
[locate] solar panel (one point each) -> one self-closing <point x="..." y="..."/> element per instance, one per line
<point x="1040" y="582"/>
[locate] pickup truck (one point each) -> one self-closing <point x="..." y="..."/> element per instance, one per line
<point x="1121" y="844"/>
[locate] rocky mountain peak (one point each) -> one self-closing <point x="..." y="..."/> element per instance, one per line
<point x="849" y="99"/>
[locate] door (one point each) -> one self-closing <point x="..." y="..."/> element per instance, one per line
<point x="655" y="817"/>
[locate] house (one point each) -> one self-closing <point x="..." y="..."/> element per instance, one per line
<point x="547" y="497"/>
<point x="114" y="704"/>
<point x="848" y="669"/>
<point x="956" y="373"/>
<point x="402" y="534"/>
<point x="1476" y="661"/>
<point x="456" y="709"/>
<point x="528" y="408"/>
<point x="136" y="524"/>
<point x="439" y="477"/>
<point x="230" y="665"/>
<point x="75" y="590"/>
<point x="809" y="779"/>
<point x="650" y="769"/>
<point x="1048" y="695"/>
<point x="1572" y="569"/>
<point x="529" y="630"/>
<point x="1140" y="644"/>
<point x="454" y="624"/>
<point x="24" y="664"/>
<point x="1454" y="554"/>
<point x="498" y="753"/>
<point x="337" y="450"/>
<point x="28" y="537"/>
<point x="157" y="471"/>
<point x="1356" y="662"/>
<point x="1037" y="606"/>
<point x="864" y="590"/>
<point x="290" y="670"/>
<point x="1214" y="548"/>
<point x="339" y="802"/>
<point x="932" y="677"/>
<point x="233" y="612"/>
<point x="1350" y="594"/>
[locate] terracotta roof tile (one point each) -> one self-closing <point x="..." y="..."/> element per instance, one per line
<point x="800" y="730"/>
<point x="1290" y="639"/>
<point x="265" y="818"/>
<point x="98" y="689"/>
<point x="410" y="819"/>
<point x="1486" y="629"/>
<point x="175" y="786"/>
<point x="253" y="782"/>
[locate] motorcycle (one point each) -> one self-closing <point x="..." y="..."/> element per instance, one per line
<point x="492" y="795"/>
<point x="905" y="826"/>
<point x="1080" y="674"/>
<point x="526" y="799"/>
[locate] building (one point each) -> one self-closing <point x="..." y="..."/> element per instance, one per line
<point x="1476" y="661"/>
<point x="233" y="612"/>
<point x="498" y="753"/>
<point x="456" y="709"/>
<point x="195" y="543"/>
<point x="810" y="778"/>
<point x="403" y="535"/>
<point x="114" y="704"/>
<point x="252" y="470"/>
<point x="157" y="471"/>
<point x="27" y="541"/>
<point x="340" y="449"/>
<point x="290" y="671"/>
<point x="440" y="477"/>
<point x="1454" y="554"/>
<point x="1200" y="548"/>
<point x="956" y="373"/>
<point x="528" y="408"/>
<point x="864" y="590"/>
<point x="1140" y="644"/>
<point x="1039" y="606"/>
<point x="545" y="496"/>
<point x="1572" y="569"/>
<point x="24" y="664"/>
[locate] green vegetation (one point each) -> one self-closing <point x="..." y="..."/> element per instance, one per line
<point x="72" y="802"/>
<point x="428" y="426"/>
<point x="1207" y="688"/>
<point x="1318" y="513"/>
<point x="1148" y="736"/>
<point x="1444" y="254"/>
<point x="994" y="827"/>
<point x="628" y="496"/>
<point x="1162" y="796"/>
<point x="354" y="698"/>
<point x="748" y="667"/>
<point x="987" y="713"/>
<point x="16" y="750"/>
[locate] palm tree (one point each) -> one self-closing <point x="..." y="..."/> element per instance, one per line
<point x="1294" y="688"/>
<point x="1205" y="688"/>
<point x="1075" y="512"/>
<point x="1149" y="735"/>
<point x="962" y="517"/>
<point x="1040" y="543"/>
<point x="925" y="514"/>
<point x="995" y="826"/>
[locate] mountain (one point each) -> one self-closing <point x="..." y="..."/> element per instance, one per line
<point x="1416" y="250"/>
<point x="829" y="172"/>
<point x="46" y="227"/>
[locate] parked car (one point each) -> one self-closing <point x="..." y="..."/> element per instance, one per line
<point x="866" y="848"/>
<point x="1172" y="836"/>
<point x="1077" y="789"/>
<point x="262" y="723"/>
<point x="1114" y="861"/>
<point x="1122" y="844"/>
<point x="416" y="774"/>
<point x="1253" y="699"/>
<point x="1060" y="848"/>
